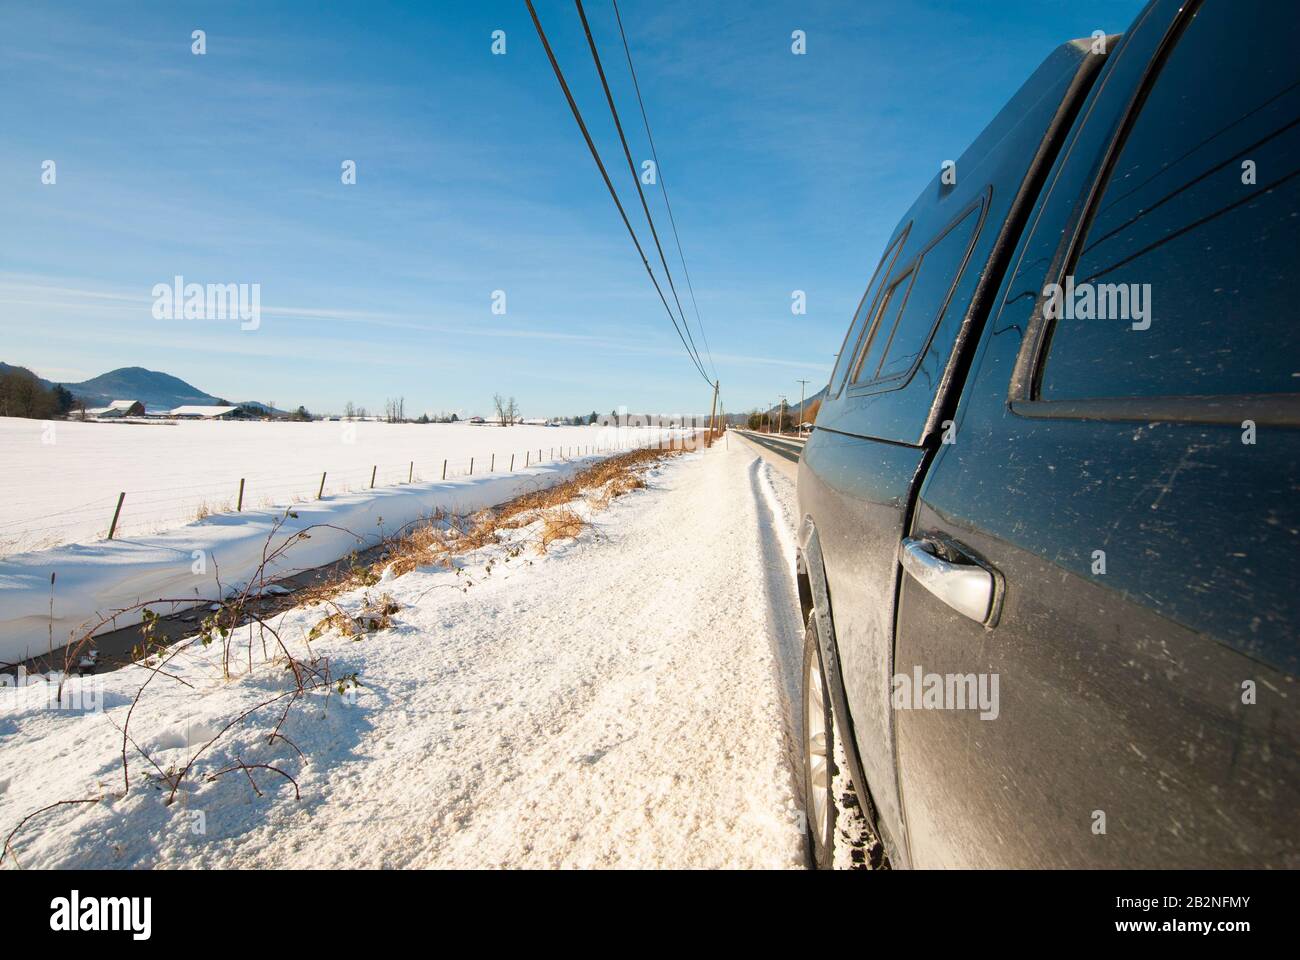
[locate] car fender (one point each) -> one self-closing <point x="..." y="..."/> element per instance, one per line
<point x="814" y="597"/>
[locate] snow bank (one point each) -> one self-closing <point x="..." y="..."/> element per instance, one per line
<point x="93" y="580"/>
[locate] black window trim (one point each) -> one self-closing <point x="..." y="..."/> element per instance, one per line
<point x="883" y="270"/>
<point x="980" y="206"/>
<point x="1263" y="409"/>
<point x="1277" y="409"/>
<point x="883" y="306"/>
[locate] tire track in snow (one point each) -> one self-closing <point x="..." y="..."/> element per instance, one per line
<point x="674" y="748"/>
<point x="785" y="628"/>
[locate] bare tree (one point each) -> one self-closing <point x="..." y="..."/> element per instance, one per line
<point x="507" y="410"/>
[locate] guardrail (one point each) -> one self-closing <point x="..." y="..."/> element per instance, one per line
<point x="790" y="439"/>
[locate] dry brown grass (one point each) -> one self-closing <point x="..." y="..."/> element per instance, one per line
<point x="562" y="523"/>
<point x="441" y="539"/>
<point x="205" y="509"/>
<point x="376" y="614"/>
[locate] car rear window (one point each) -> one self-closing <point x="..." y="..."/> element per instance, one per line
<point x="883" y="323"/>
<point x="902" y="326"/>
<point x="848" y="349"/>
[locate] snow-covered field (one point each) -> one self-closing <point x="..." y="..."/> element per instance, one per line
<point x="622" y="700"/>
<point x="60" y="480"/>
<point x="49" y="598"/>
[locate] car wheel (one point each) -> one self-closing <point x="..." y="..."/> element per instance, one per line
<point x="839" y="835"/>
<point x="818" y="752"/>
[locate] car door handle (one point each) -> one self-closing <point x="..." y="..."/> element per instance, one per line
<point x="966" y="587"/>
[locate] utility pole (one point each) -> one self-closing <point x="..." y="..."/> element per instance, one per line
<point x="713" y="414"/>
<point x="780" y="415"/>
<point x="803" y="386"/>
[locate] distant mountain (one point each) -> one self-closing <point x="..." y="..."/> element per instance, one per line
<point x="156" y="390"/>
<point x="258" y="405"/>
<point x="792" y="406"/>
<point x="7" y="368"/>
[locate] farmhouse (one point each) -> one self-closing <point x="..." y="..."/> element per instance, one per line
<point x="118" y="408"/>
<point x="199" y="412"/>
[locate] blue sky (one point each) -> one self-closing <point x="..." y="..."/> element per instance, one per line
<point x="786" y="172"/>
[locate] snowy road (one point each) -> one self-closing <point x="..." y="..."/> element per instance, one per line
<point x="783" y="458"/>
<point x="623" y="701"/>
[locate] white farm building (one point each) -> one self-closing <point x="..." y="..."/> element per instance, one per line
<point x="200" y="412"/>
<point x="118" y="408"/>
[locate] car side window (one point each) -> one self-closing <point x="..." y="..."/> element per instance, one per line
<point x="849" y="348"/>
<point x="1184" y="281"/>
<point x="902" y="327"/>
<point x="884" y="321"/>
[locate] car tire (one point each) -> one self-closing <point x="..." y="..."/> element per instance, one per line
<point x="839" y="834"/>
<point x="818" y="752"/>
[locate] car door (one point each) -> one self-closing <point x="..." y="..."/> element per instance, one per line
<point x="1096" y="651"/>
<point x="910" y="339"/>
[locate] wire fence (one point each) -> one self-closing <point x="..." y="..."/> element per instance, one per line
<point x="140" y="511"/>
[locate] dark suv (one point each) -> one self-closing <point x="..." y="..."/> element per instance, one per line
<point x="1050" y="517"/>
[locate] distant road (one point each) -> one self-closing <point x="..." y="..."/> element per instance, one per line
<point x="781" y="452"/>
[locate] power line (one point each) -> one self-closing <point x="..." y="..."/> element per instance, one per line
<point x="663" y="185"/>
<point x="595" y="155"/>
<point x="636" y="179"/>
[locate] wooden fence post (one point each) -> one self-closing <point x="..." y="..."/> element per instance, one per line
<point x="239" y="504"/>
<point x="373" y="471"/>
<point x="512" y="463"/>
<point x="320" y="494"/>
<point x="444" y="469"/>
<point x="411" y="473"/>
<point x="471" y="466"/>
<point x="112" y="527"/>
<point x="493" y="465"/>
